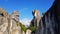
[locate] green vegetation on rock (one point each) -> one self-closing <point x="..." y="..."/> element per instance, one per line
<point x="32" y="28"/>
<point x="23" y="28"/>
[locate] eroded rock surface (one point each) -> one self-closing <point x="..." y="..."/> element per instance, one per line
<point x="8" y="23"/>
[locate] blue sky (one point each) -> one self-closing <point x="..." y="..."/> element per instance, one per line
<point x="25" y="7"/>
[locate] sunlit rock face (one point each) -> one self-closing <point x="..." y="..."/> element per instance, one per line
<point x="14" y="18"/>
<point x="28" y="31"/>
<point x="36" y="20"/>
<point x="3" y="21"/>
<point x="8" y="23"/>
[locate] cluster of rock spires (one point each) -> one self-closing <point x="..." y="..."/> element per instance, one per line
<point x="8" y="22"/>
<point x="48" y="24"/>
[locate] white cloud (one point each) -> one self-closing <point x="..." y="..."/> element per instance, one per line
<point x="25" y="21"/>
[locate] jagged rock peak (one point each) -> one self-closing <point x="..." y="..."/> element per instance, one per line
<point x="36" y="13"/>
<point x="3" y="12"/>
<point x="15" y="13"/>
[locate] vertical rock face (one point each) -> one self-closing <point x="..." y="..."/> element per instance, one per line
<point x="36" y="18"/>
<point x="35" y="21"/>
<point x="8" y="23"/>
<point x="3" y="22"/>
<point x="51" y="19"/>
<point x="14" y="18"/>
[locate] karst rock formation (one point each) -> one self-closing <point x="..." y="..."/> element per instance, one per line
<point x="8" y="22"/>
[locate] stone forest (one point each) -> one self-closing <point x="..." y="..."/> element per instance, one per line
<point x="48" y="23"/>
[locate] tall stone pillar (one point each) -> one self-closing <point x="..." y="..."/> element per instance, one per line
<point x="3" y="21"/>
<point x="14" y="19"/>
